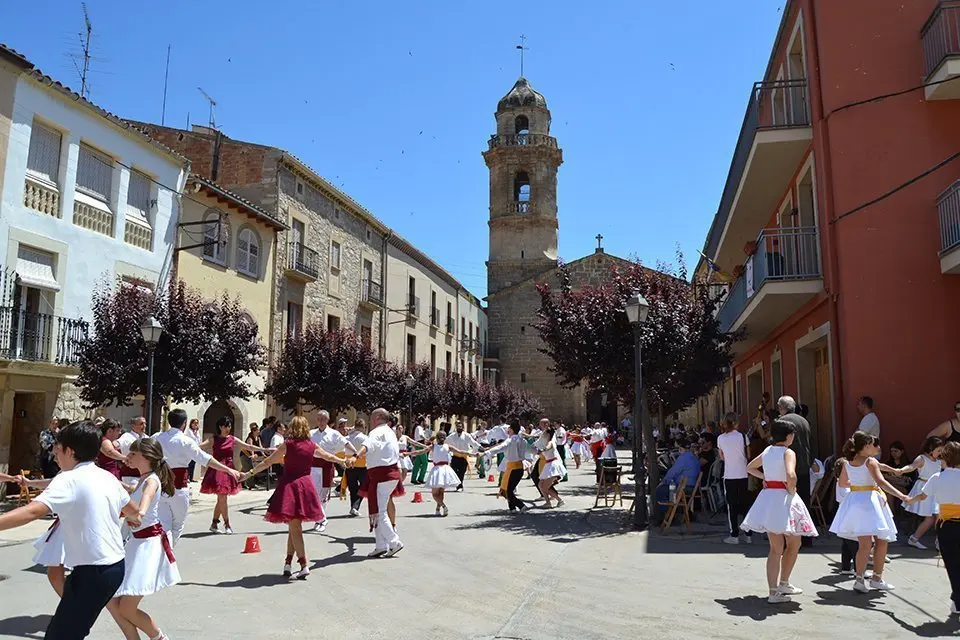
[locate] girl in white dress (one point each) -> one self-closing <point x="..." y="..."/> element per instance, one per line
<point x="926" y="464"/>
<point x="552" y="470"/>
<point x="864" y="514"/>
<point x="149" y="563"/>
<point x="442" y="476"/>
<point x="778" y="511"/>
<point x="406" y="465"/>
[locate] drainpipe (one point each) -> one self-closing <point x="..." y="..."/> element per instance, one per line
<point x="384" y="317"/>
<point x="829" y="240"/>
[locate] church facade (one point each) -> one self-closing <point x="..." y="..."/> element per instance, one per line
<point x="523" y="160"/>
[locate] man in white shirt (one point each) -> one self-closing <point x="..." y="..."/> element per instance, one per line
<point x="382" y="454"/>
<point x="514" y="450"/>
<point x="138" y="426"/>
<point x="178" y="451"/>
<point x="89" y="503"/>
<point x="869" y="423"/>
<point x="462" y="441"/>
<point x="331" y="441"/>
<point x="419" y="462"/>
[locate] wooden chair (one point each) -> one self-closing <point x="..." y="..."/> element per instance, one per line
<point x="679" y="502"/>
<point x="26" y="493"/>
<point x="609" y="486"/>
<point x="696" y="494"/>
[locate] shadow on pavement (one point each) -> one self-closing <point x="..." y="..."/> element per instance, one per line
<point x="757" y="608"/>
<point x="25" y="626"/>
<point x="698" y="543"/>
<point x="933" y="629"/>
<point x="850" y="598"/>
<point x="562" y="525"/>
<point x="246" y="582"/>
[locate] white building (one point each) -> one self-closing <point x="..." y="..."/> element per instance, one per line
<point x="85" y="200"/>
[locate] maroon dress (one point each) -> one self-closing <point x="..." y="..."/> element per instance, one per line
<point x="295" y="497"/>
<point x="107" y="463"/>
<point x="220" y="482"/>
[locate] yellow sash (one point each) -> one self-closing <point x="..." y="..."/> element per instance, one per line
<point x="864" y="487"/>
<point x="949" y="513"/>
<point x="505" y="478"/>
<point x="360" y="462"/>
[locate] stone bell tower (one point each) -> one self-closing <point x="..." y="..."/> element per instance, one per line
<point x="523" y="160"/>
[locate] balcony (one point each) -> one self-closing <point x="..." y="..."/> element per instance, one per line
<point x="948" y="206"/>
<point x="138" y="234"/>
<point x="303" y="263"/>
<point x="451" y="325"/>
<point x="95" y="218"/>
<point x="39" y="196"/>
<point x="371" y="294"/>
<point x="492" y="355"/>
<point x="941" y="51"/>
<point x="523" y="140"/>
<point x="782" y="276"/>
<point x="776" y="134"/>
<point x="434" y="317"/>
<point x="40" y="337"/>
<point x="413" y="307"/>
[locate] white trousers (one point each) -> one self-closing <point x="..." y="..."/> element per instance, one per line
<point x="383" y="531"/>
<point x="173" y="513"/>
<point x="316" y="474"/>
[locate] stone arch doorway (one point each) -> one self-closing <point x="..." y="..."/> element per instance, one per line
<point x="217" y="410"/>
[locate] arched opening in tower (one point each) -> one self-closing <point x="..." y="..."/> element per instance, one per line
<point x="522" y="128"/>
<point x="521" y="191"/>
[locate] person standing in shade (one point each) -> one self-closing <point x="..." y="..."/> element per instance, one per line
<point x="420" y="461"/>
<point x="869" y="423"/>
<point x="462" y="444"/>
<point x="48" y="438"/>
<point x="733" y="451"/>
<point x="138" y="426"/>
<point x="356" y="473"/>
<point x="787" y="407"/>
<point x="514" y="451"/>
<point x="193" y="432"/>
<point x="268" y="431"/>
<point x="382" y="453"/>
<point x="90" y="503"/>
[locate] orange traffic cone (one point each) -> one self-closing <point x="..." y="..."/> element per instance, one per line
<point x="490" y="478"/>
<point x="252" y="546"/>
<point x="418" y="497"/>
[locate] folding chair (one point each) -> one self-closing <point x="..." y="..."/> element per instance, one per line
<point x="26" y="493"/>
<point x="679" y="502"/>
<point x="696" y="494"/>
<point x="609" y="486"/>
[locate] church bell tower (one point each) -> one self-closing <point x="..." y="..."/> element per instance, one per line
<point x="523" y="159"/>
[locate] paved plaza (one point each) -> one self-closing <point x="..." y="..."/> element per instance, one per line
<point x="484" y="573"/>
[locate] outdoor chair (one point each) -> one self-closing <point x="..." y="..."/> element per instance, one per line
<point x="696" y="494"/>
<point x="817" y="496"/>
<point x="679" y="502"/>
<point x="609" y="486"/>
<point x="714" y="496"/>
<point x="26" y="493"/>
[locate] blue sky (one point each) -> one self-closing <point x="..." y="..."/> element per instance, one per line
<point x="647" y="100"/>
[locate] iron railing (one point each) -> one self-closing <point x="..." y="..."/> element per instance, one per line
<point x="948" y="206"/>
<point x="413" y="305"/>
<point x="434" y="317"/>
<point x="372" y="292"/>
<point x="941" y="35"/>
<point x="304" y="260"/>
<point x="789" y="253"/>
<point x="451" y="325"/>
<point x="782" y="104"/>
<point x="520" y="208"/>
<point x="523" y="140"/>
<point x="40" y="337"/>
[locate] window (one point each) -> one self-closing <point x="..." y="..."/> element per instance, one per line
<point x="523" y="328"/>
<point x="470" y="335"/>
<point x="411" y="349"/>
<point x="522" y="125"/>
<point x="776" y="376"/>
<point x="336" y="213"/>
<point x="366" y="337"/>
<point x="433" y="358"/>
<point x="334" y="255"/>
<point x="463" y="329"/>
<point x="215" y="237"/>
<point x="333" y="323"/>
<point x="299" y="188"/>
<point x="737" y="393"/>
<point x="449" y="362"/>
<point x="138" y="198"/>
<point x="449" y="321"/>
<point x="369" y="234"/>
<point x="43" y="160"/>
<point x="294" y="318"/>
<point x="521" y="187"/>
<point x="94" y="173"/>
<point x="36" y="269"/>
<point x="248" y="252"/>
<point x="523" y="377"/>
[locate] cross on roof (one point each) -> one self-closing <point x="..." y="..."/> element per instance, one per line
<point x="599" y="241"/>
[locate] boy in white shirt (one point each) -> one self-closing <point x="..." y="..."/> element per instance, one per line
<point x="89" y="503"/>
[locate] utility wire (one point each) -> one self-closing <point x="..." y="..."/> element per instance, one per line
<point x="884" y="96"/>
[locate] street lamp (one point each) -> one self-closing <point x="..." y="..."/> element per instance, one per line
<point x="152" y="330"/>
<point x="409" y="382"/>
<point x="637" y="309"/>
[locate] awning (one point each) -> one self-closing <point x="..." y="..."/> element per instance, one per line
<point x="35" y="269"/>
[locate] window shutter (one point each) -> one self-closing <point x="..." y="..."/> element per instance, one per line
<point x="44" y="156"/>
<point x="94" y="173"/>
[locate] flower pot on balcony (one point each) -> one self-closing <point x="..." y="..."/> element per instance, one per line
<point x="750" y="248"/>
<point x="738" y="271"/>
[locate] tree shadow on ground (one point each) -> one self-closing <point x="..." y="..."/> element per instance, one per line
<point x="557" y="525"/>
<point x="870" y="601"/>
<point x="246" y="582"/>
<point x="949" y="628"/>
<point x="25" y="626"/>
<point x="695" y="543"/>
<point x="756" y="608"/>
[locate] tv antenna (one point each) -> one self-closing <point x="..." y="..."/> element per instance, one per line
<point x="213" y="105"/>
<point x="84" y="53"/>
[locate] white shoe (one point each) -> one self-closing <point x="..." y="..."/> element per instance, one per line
<point x="444" y="511"/>
<point x="881" y="585"/>
<point x="731" y="540"/>
<point x="302" y="574"/>
<point x="953" y="608"/>
<point x="228" y="530"/>
<point x="913" y="542"/>
<point x="354" y="513"/>
<point x="215" y="527"/>
<point x="287" y="571"/>
<point x="861" y="586"/>
<point x="778" y="598"/>
<point x="378" y="553"/>
<point x="395" y="550"/>
<point x="789" y="590"/>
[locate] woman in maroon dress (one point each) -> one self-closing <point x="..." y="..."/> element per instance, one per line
<point x="109" y="457"/>
<point x="220" y="483"/>
<point x="295" y="498"/>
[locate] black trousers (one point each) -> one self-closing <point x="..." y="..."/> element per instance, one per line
<point x="948" y="534"/>
<point x="355" y="477"/>
<point x="848" y="553"/>
<point x="512" y="482"/>
<point x="86" y="592"/>
<point x="803" y="490"/>
<point x="738" y="503"/>
<point x="535" y="475"/>
<point x="459" y="465"/>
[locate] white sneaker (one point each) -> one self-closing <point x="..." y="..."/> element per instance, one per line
<point x="302" y="574"/>
<point x="215" y="527"/>
<point x="354" y="513"/>
<point x="789" y="590"/>
<point x="395" y="550"/>
<point x="560" y="503"/>
<point x="444" y="511"/>
<point x="287" y="571"/>
<point x="778" y="598"/>
<point x="913" y="542"/>
<point x="731" y="540"/>
<point x="881" y="585"/>
<point x="378" y="553"/>
<point x="861" y="586"/>
<point x="228" y="530"/>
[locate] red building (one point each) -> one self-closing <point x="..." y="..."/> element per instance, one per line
<point x="838" y="302"/>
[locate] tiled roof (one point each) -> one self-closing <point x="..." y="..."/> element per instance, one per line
<point x="237" y="198"/>
<point x="42" y="78"/>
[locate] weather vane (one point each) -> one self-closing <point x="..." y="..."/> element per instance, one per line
<point x="523" y="40"/>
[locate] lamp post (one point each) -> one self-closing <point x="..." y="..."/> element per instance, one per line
<point x="637" y="309"/>
<point x="410" y="381"/>
<point x="152" y="330"/>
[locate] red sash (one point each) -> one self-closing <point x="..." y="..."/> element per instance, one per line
<point x="179" y="477"/>
<point x="774" y="484"/>
<point x="328" y="471"/>
<point x="375" y="476"/>
<point x="440" y="464"/>
<point x="156" y="531"/>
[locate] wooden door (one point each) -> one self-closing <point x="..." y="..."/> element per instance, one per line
<point x="824" y="426"/>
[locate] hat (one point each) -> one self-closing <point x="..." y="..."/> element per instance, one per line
<point x="343" y="420"/>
